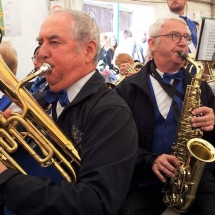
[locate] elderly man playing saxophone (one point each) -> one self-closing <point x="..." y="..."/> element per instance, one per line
<point x="155" y="96"/>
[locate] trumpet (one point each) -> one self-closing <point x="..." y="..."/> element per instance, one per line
<point x="131" y="69"/>
<point x="56" y="149"/>
<point x="31" y="72"/>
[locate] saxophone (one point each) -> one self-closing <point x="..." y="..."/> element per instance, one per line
<point x="130" y="69"/>
<point x="191" y="151"/>
<point x="56" y="149"/>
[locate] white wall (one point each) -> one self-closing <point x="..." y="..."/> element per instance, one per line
<point x="143" y="17"/>
<point x="32" y="14"/>
<point x="198" y="10"/>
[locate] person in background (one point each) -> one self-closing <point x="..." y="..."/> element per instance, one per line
<point x="143" y="43"/>
<point x="112" y="44"/>
<point x="144" y="37"/>
<point x="36" y="60"/>
<point x="9" y="56"/>
<point x="197" y="25"/>
<point x="123" y="58"/>
<point x="126" y="64"/>
<point x="156" y="113"/>
<point x="106" y="54"/>
<point x="39" y="84"/>
<point x="105" y="60"/>
<point x="69" y="42"/>
<point x="130" y="47"/>
<point x="177" y="8"/>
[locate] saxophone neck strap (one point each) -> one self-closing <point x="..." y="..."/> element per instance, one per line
<point x="54" y="111"/>
<point x="170" y="90"/>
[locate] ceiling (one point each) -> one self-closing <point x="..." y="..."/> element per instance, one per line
<point x="160" y="1"/>
<point x="211" y="2"/>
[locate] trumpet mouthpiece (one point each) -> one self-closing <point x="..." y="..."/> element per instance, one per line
<point x="45" y="68"/>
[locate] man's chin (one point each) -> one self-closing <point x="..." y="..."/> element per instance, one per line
<point x="176" y="9"/>
<point x="54" y="90"/>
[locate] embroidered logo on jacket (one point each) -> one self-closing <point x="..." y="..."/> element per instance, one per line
<point x="77" y="136"/>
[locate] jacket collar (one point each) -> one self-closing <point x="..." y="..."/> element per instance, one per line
<point x="91" y="87"/>
<point x="141" y="78"/>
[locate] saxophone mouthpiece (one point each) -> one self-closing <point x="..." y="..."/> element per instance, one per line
<point x="183" y="55"/>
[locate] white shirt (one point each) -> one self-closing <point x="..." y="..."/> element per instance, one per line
<point x="73" y="91"/>
<point x="174" y="14"/>
<point x="212" y="85"/>
<point x="162" y="98"/>
<point x="127" y="46"/>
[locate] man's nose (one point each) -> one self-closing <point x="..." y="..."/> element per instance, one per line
<point x="183" y="41"/>
<point x="43" y="54"/>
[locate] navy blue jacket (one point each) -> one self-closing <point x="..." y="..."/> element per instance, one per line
<point x="136" y="92"/>
<point x="100" y="125"/>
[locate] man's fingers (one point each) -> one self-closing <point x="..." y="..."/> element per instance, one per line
<point x="165" y="165"/>
<point x="203" y="118"/>
<point x="7" y="113"/>
<point x="160" y="176"/>
<point x="163" y="171"/>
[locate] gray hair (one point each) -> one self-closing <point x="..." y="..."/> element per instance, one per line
<point x="156" y="28"/>
<point x="9" y="56"/>
<point x="83" y="28"/>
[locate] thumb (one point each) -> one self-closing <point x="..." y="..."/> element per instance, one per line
<point x="7" y="113"/>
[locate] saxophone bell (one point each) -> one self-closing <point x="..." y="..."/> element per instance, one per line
<point x="189" y="148"/>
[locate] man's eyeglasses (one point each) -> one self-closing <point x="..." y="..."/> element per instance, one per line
<point x="35" y="58"/>
<point x="177" y="37"/>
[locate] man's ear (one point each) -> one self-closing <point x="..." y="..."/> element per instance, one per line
<point x="152" y="44"/>
<point x="90" y="50"/>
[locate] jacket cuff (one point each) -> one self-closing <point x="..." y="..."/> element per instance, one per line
<point x="6" y="175"/>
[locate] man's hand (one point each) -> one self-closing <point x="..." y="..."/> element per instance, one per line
<point x="123" y="68"/>
<point x="165" y="165"/>
<point x="127" y="70"/>
<point x="206" y="118"/>
<point x="6" y="114"/>
<point x="2" y="167"/>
